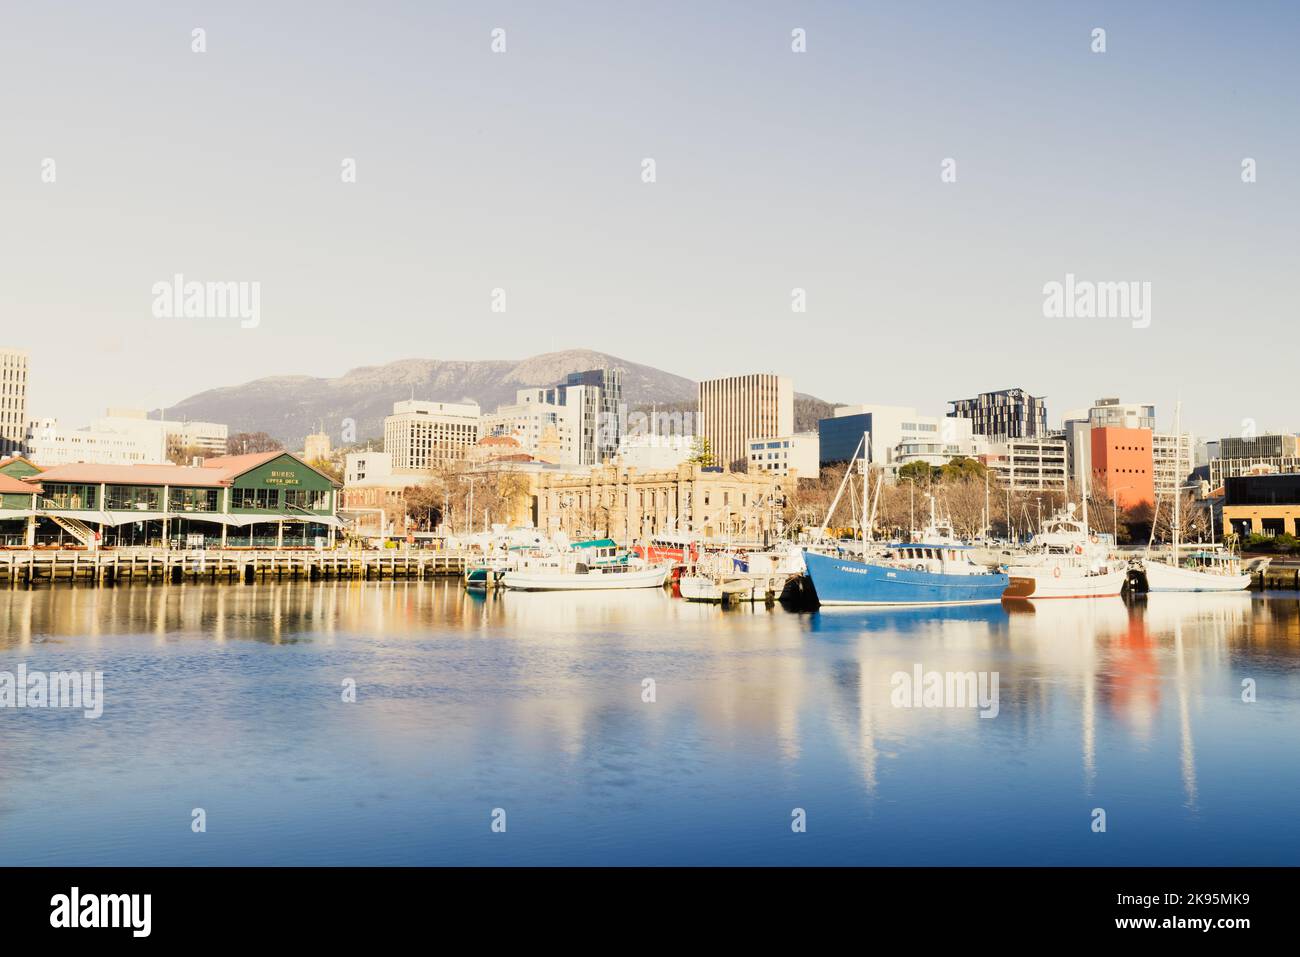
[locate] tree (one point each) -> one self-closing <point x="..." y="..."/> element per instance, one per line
<point x="246" y="443"/>
<point x="701" y="453"/>
<point x="919" y="472"/>
<point x="961" y="467"/>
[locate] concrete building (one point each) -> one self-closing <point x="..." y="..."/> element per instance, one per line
<point x="899" y="435"/>
<point x="609" y="425"/>
<point x="1278" y="453"/>
<point x="556" y="424"/>
<point x="1122" y="465"/>
<point x="13" y="401"/>
<point x="1172" y="458"/>
<point x="426" y="435"/>
<point x="626" y="504"/>
<point x="646" y="452"/>
<point x="1104" y="413"/>
<point x="1008" y="413"/>
<point x="316" y="447"/>
<point x="798" y="453"/>
<point x="735" y="409"/>
<point x="1035" y="464"/>
<point x="1262" y="505"/>
<point x="51" y="445"/>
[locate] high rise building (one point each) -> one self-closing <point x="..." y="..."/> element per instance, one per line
<point x="426" y="435"/>
<point x="555" y="425"/>
<point x="609" y="425"/>
<point x="1172" y="459"/>
<point x="1008" y="414"/>
<point x="735" y="409"/>
<point x="13" y="401"/>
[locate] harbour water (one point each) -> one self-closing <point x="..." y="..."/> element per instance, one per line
<point x="229" y="698"/>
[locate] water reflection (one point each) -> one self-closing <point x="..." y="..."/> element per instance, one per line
<point x="465" y="699"/>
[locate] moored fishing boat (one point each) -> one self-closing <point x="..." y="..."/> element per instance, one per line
<point x="933" y="570"/>
<point x="1064" y="560"/>
<point x="596" y="565"/>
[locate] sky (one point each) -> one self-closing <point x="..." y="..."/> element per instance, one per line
<point x="774" y="170"/>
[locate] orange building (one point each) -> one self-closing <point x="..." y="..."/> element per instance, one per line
<point x="1122" y="465"/>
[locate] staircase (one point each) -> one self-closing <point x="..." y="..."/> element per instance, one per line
<point x="73" y="526"/>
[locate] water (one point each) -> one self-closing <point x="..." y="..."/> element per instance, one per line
<point x="229" y="698"/>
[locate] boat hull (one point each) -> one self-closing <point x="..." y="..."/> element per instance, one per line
<point x="591" y="581"/>
<point x="1163" y="578"/>
<point x="840" y="581"/>
<point x="1039" y="583"/>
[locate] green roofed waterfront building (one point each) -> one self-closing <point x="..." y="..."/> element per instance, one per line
<point x="263" y="500"/>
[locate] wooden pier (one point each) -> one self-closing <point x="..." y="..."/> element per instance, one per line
<point x="227" y="565"/>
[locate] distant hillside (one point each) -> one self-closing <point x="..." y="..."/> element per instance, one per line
<point x="290" y="407"/>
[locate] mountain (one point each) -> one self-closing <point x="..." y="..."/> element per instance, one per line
<point x="289" y="407"/>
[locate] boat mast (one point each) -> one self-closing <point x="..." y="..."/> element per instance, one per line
<point x="866" y="489"/>
<point x="1178" y="424"/>
<point x="821" y="532"/>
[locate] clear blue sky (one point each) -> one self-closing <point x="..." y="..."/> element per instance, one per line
<point x="775" y="170"/>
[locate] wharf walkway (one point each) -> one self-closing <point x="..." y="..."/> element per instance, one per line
<point x="113" y="566"/>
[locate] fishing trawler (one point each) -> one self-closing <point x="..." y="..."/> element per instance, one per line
<point x="933" y="569"/>
<point x="1065" y="560"/>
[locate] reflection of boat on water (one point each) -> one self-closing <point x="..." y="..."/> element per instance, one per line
<point x="853" y="620"/>
<point x="1164" y="610"/>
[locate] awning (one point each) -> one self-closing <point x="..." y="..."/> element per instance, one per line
<point x="13" y="514"/>
<point x="130" y="517"/>
<point x="80" y="515"/>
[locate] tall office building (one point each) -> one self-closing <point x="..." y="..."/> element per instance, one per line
<point x="426" y="435"/>
<point x="13" y="401"/>
<point x="609" y="424"/>
<point x="1007" y="414"/>
<point x="1254" y="455"/>
<point x="739" y="408"/>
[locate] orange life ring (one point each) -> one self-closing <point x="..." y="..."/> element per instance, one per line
<point x="1078" y="549"/>
<point x="1056" y="572"/>
<point x="1094" y="539"/>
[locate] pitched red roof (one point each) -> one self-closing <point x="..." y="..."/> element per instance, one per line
<point x="92" y="474"/>
<point x="12" y="486"/>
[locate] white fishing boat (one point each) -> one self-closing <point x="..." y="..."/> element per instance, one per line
<point x="1065" y="560"/>
<point x="1206" y="569"/>
<point x="596" y="565"/>
<point x="1202" y="570"/>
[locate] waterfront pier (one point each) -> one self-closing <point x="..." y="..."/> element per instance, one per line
<point x="177" y="566"/>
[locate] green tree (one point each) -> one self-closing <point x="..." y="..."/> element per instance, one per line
<point x="701" y="453"/>
<point x="919" y="472"/>
<point x="962" y="467"/>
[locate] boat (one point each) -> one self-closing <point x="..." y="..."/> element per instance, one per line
<point x="1206" y="569"/>
<point x="1064" y="560"/>
<point x="596" y="565"/>
<point x="741" y="575"/>
<point x="934" y="569"/>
